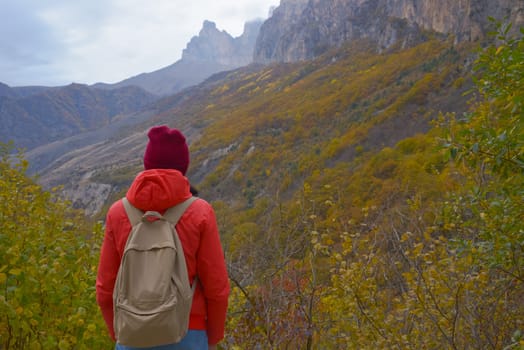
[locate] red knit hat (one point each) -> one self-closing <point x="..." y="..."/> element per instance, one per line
<point x="166" y="149"/>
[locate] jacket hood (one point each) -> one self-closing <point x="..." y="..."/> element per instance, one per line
<point x="158" y="189"/>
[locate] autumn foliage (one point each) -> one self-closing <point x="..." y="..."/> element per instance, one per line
<point x="49" y="255"/>
<point x="420" y="246"/>
<point x="365" y="201"/>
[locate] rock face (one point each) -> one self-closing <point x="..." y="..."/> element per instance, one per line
<point x="214" y="46"/>
<point x="210" y="52"/>
<point x="466" y="19"/>
<point x="275" y="40"/>
<point x="301" y="30"/>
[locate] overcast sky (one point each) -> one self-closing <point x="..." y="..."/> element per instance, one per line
<point x="57" y="42"/>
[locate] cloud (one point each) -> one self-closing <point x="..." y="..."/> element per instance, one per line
<point x="37" y="35"/>
<point x="26" y="41"/>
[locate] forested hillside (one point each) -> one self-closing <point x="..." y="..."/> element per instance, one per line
<point x="365" y="200"/>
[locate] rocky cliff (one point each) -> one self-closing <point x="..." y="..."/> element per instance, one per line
<point x="301" y="29"/>
<point x="466" y="19"/>
<point x="214" y="46"/>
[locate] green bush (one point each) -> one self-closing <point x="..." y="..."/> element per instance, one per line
<point x="49" y="256"/>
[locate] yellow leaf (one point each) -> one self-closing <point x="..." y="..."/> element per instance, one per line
<point x="417" y="249"/>
<point x="15" y="272"/>
<point x="64" y="345"/>
<point x="405" y="236"/>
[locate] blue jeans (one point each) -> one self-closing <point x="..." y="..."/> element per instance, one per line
<point x="194" y="340"/>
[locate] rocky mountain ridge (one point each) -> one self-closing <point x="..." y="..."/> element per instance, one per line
<point x="209" y="52"/>
<point x="21" y="91"/>
<point x="302" y="30"/>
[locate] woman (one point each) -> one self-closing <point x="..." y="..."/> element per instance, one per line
<point x="160" y="186"/>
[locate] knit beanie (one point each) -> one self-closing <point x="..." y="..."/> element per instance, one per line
<point x="166" y="149"/>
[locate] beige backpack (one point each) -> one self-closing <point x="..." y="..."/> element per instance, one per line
<point x="152" y="296"/>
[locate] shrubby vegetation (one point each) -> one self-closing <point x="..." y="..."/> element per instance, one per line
<point x="420" y="247"/>
<point x="336" y="239"/>
<point x="49" y="255"/>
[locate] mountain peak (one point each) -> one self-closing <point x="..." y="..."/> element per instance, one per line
<point x="208" y="27"/>
<point x="212" y="45"/>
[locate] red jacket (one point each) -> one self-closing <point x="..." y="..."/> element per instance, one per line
<point x="159" y="189"/>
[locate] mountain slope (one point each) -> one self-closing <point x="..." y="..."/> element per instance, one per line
<point x="33" y="117"/>
<point x="341" y="187"/>
<point x="267" y="128"/>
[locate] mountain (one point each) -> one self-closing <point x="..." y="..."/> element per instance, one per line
<point x="302" y="30"/>
<point x="37" y="116"/>
<point x="34" y="116"/>
<point x="256" y="126"/>
<point x="210" y="52"/>
<point x="6" y="91"/>
<point x="20" y="91"/>
<point x="219" y="47"/>
<point x="369" y="197"/>
<point x="263" y="128"/>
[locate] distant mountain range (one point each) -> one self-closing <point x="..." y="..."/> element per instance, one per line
<point x="35" y="116"/>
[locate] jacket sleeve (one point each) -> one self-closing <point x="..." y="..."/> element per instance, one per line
<point x="212" y="274"/>
<point x="106" y="276"/>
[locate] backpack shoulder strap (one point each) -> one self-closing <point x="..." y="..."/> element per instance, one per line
<point x="174" y="214"/>
<point x="134" y="214"/>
